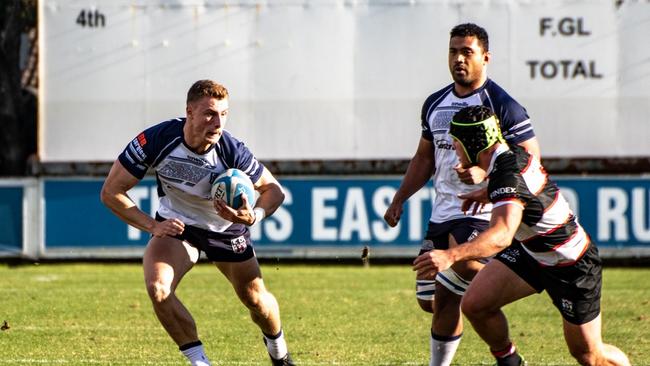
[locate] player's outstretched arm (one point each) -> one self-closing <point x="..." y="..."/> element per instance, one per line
<point x="114" y="196"/>
<point x="419" y="171"/>
<point x="503" y="225"/>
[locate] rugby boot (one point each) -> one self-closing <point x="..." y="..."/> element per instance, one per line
<point x="285" y="361"/>
<point x="513" y="360"/>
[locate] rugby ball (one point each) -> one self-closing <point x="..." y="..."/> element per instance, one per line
<point x="230" y="186"/>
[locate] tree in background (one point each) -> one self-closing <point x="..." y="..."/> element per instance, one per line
<point x="18" y="84"/>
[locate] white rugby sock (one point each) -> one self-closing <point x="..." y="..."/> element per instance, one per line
<point x="276" y="345"/>
<point x="443" y="349"/>
<point x="195" y="354"/>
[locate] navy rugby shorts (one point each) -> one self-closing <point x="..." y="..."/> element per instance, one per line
<point x="574" y="289"/>
<point x="462" y="229"/>
<point x="235" y="246"/>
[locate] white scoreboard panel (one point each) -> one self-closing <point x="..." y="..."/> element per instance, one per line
<point x="337" y="79"/>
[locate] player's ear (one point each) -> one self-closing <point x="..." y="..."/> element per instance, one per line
<point x="188" y="109"/>
<point x="487" y="56"/>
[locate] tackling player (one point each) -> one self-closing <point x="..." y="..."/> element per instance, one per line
<point x="552" y="251"/>
<point x="187" y="155"/>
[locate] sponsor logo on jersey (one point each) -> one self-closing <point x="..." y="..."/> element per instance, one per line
<point x="136" y="147"/>
<point x="142" y="139"/>
<point x="502" y="191"/>
<point x="444" y="145"/>
<point x="238" y="244"/>
<point x="197" y="161"/>
<point x="459" y="104"/>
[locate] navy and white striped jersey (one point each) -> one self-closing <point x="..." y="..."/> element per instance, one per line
<point x="184" y="177"/>
<point x="549" y="230"/>
<point x="437" y="112"/>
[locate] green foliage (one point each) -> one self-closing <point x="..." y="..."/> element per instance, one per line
<point x="80" y="314"/>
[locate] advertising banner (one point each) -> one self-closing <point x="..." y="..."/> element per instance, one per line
<point x="338" y="214"/>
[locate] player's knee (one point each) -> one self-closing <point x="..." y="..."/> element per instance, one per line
<point x="258" y="301"/>
<point x="473" y="307"/>
<point x="426" y="305"/>
<point x="252" y="301"/>
<point x="158" y="291"/>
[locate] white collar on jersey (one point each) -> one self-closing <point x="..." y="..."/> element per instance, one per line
<point x="500" y="150"/>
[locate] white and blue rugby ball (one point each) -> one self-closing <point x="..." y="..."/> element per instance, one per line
<point x="230" y="186"/>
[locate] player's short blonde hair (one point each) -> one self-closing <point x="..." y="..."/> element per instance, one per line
<point x="206" y="88"/>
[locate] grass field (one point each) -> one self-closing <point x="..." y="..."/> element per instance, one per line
<point x="99" y="314"/>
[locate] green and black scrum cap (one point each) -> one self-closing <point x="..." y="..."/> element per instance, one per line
<point x="476" y="128"/>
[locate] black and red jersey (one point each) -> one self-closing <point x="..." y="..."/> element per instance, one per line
<point x="549" y="230"/>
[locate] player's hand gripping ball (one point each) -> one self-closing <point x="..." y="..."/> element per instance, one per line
<point x="230" y="186"/>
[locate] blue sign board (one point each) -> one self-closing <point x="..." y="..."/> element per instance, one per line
<point x="75" y="216"/>
<point x="11" y="219"/>
<point x="342" y="211"/>
<point x="614" y="211"/>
